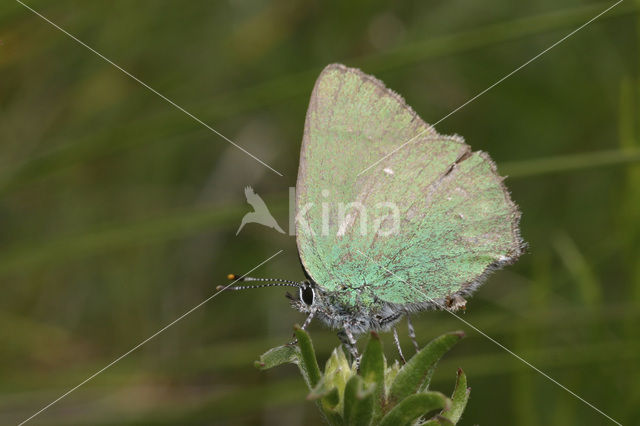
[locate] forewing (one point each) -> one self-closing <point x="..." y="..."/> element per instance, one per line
<point x="453" y="230"/>
<point x="455" y="217"/>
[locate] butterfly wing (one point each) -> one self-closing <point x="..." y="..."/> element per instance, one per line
<point x="426" y="222"/>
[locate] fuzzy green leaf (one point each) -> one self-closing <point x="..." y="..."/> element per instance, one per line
<point x="372" y="371"/>
<point x="278" y="356"/>
<point x="372" y="361"/>
<point x="415" y="406"/>
<point x="326" y="394"/>
<point x="308" y="361"/>
<point x="331" y="399"/>
<point x="338" y="370"/>
<point x="390" y="375"/>
<point x="439" y="421"/>
<point x="359" y="402"/>
<point x="427" y="379"/>
<point x="348" y="396"/>
<point x="459" y="399"/>
<point x="321" y="389"/>
<point x="412" y="375"/>
<point x="333" y="416"/>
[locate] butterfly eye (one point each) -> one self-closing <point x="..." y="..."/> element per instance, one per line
<point x="306" y="294"/>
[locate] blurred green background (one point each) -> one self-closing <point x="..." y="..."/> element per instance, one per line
<point x="118" y="212"/>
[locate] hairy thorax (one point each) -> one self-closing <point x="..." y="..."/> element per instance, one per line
<point x="338" y="310"/>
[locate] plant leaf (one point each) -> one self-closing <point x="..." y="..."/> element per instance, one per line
<point x="413" y="374"/>
<point x="327" y="397"/>
<point x="326" y="392"/>
<point x="439" y="421"/>
<point x="338" y="370"/>
<point x="308" y="362"/>
<point x="321" y="390"/>
<point x="427" y="379"/>
<point x="459" y="399"/>
<point x="372" y="361"/>
<point x="331" y="399"/>
<point x="278" y="356"/>
<point x="359" y="402"/>
<point x="415" y="406"/>
<point x="372" y="371"/>
<point x="390" y="375"/>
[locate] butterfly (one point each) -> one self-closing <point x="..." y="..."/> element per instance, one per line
<point x="392" y="217"/>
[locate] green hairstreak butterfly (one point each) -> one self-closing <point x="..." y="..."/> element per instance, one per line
<point x="392" y="217"/>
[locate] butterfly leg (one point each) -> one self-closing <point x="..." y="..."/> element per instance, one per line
<point x="412" y="334"/>
<point x="304" y="326"/>
<point x="395" y="338"/>
<point x="308" y="320"/>
<point x="349" y="341"/>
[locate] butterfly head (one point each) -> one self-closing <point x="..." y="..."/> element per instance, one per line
<point x="328" y="307"/>
<point x="307" y="299"/>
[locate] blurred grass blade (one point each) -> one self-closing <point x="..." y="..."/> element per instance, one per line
<point x="589" y="287"/>
<point x="459" y="399"/>
<point x="297" y="84"/>
<point x="569" y="163"/>
<point x="489" y="35"/>
<point x="173" y="225"/>
<point x="415" y="406"/>
<point x="412" y="375"/>
<point x="289" y="86"/>
<point x="277" y="356"/>
<point x="176" y="224"/>
<point x="180" y="224"/>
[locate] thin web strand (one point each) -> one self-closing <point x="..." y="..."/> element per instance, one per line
<point x="432" y="127"/>
<point x="142" y="343"/>
<point x="500" y="345"/>
<point x="142" y="83"/>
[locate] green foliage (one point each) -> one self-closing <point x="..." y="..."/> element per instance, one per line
<point x="372" y="393"/>
<point x="415" y="406"/>
<point x="118" y="213"/>
<point x="307" y="356"/>
<point x="459" y="399"/>
<point x="416" y="374"/>
<point x="359" y="402"/>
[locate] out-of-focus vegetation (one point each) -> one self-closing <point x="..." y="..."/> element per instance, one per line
<point x="118" y="212"/>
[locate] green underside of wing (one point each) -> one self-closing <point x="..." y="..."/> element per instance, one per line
<point x="455" y="218"/>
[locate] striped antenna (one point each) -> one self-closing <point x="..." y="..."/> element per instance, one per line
<point x="269" y="282"/>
